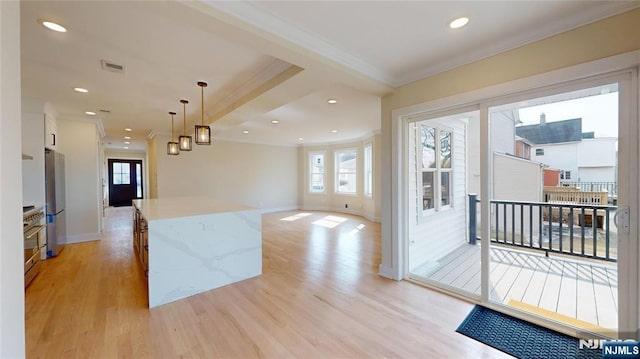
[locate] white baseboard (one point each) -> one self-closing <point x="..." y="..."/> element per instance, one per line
<point x="278" y="209"/>
<point x="84" y="237"/>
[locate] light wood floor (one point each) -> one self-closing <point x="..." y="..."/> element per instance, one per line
<point x="319" y="297"/>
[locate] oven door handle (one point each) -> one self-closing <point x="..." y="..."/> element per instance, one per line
<point x="33" y="231"/>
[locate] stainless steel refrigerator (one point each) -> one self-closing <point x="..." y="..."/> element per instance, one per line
<point x="55" y="206"/>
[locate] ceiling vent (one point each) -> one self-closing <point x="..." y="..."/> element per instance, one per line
<point x="110" y="66"/>
<point x="104" y="111"/>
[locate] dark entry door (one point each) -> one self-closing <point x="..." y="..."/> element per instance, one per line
<point x="125" y="181"/>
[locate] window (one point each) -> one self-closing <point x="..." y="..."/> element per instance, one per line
<point x="565" y="175"/>
<point x="121" y="173"/>
<point x="316" y="172"/>
<point x="138" y="180"/>
<point x="435" y="150"/>
<point x="368" y="170"/>
<point x="346" y="173"/>
<point x="539" y="151"/>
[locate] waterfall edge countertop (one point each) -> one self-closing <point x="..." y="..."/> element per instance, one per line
<point x="177" y="207"/>
<point x="196" y="244"/>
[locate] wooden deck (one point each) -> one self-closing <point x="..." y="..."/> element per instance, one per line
<point x="580" y="292"/>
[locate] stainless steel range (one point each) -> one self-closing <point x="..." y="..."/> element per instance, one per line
<point x="34" y="241"/>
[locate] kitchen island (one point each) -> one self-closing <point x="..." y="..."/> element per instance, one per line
<point x="190" y="245"/>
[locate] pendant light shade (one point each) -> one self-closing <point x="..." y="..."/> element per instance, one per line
<point x="172" y="146"/>
<point x="203" y="133"/>
<point x="184" y="140"/>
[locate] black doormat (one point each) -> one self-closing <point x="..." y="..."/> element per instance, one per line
<point x="520" y="338"/>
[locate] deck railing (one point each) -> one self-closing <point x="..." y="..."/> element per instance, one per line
<point x="582" y="230"/>
<point x="609" y="187"/>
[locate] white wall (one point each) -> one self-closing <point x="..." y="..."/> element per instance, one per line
<point x="433" y="235"/>
<point x="597" y="152"/>
<point x="516" y="179"/>
<point x="259" y="176"/>
<point x="503" y="131"/>
<point x="12" y="341"/>
<point x="595" y="174"/>
<point x="562" y="156"/>
<point x="33" y="188"/>
<point x="329" y="200"/>
<point x="79" y="142"/>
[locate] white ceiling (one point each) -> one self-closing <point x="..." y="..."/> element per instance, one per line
<point x="264" y="60"/>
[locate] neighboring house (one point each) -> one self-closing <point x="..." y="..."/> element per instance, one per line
<point x="579" y="156"/>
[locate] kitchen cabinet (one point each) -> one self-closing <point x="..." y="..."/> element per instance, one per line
<point x="50" y="132"/>
<point x="140" y="240"/>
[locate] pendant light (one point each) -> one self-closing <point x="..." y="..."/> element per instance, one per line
<point x="184" y="140"/>
<point x="203" y="133"/>
<point x="172" y="147"/>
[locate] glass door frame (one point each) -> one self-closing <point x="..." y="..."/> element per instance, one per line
<point x="627" y="175"/>
<point x="541" y="85"/>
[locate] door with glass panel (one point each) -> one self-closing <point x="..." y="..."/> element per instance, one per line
<point x="559" y="178"/>
<point x="443" y="168"/>
<point x="125" y="181"/>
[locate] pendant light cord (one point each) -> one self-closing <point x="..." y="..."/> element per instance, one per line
<point x="202" y="103"/>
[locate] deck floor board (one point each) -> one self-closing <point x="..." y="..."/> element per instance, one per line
<point x="585" y="290"/>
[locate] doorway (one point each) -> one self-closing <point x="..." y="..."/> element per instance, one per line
<point x="544" y="232"/>
<point x="125" y="181"/>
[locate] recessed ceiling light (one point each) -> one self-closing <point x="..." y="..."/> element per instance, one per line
<point x="332" y="101"/>
<point x="459" y="22"/>
<point x="127" y="129"/>
<point x="126" y="148"/>
<point x="127" y="137"/>
<point x="245" y="131"/>
<point x="300" y="138"/>
<point x="334" y="131"/>
<point x="275" y="122"/>
<point x="90" y="113"/>
<point x="52" y="26"/>
<point x="80" y="89"/>
<point x="127" y="142"/>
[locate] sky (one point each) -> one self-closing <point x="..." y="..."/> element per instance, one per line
<point x="599" y="113"/>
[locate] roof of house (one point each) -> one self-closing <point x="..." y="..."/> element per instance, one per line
<point x="552" y="132"/>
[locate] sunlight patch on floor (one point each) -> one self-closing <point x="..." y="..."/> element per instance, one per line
<point x="330" y="221"/>
<point x="357" y="229"/>
<point x="295" y="217"/>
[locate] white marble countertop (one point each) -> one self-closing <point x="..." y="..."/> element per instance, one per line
<point x="178" y="207"/>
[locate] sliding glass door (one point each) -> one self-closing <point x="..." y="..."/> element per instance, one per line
<point x="523" y="204"/>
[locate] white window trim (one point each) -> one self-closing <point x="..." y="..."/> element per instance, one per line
<point x="437" y="178"/>
<point x="336" y="172"/>
<point x="367" y="171"/>
<point x="310" y="172"/>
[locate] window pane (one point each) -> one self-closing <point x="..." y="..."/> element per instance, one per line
<point x="316" y="172"/>
<point x="346" y="171"/>
<point x="125" y="168"/>
<point x="347" y="182"/>
<point x="446" y="188"/>
<point x="368" y="173"/>
<point x="445" y="149"/>
<point x="117" y="167"/>
<point x="347" y="162"/>
<point x="317" y="182"/>
<point x="427" y="190"/>
<point x="117" y="179"/>
<point x="138" y="180"/>
<point x="428" y="147"/>
<point x="317" y="163"/>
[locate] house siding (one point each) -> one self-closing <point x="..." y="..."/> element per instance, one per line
<point x="435" y="234"/>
